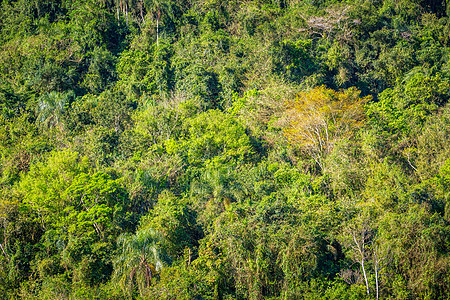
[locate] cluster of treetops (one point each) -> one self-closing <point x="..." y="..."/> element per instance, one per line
<point x="212" y="149"/>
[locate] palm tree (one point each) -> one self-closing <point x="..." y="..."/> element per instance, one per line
<point x="155" y="8"/>
<point x="139" y="260"/>
<point x="51" y="107"/>
<point x="215" y="190"/>
<point x="128" y="7"/>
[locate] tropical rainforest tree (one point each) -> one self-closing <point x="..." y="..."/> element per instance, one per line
<point x="51" y="108"/>
<point x="156" y="8"/>
<point x="140" y="259"/>
<point x="318" y="118"/>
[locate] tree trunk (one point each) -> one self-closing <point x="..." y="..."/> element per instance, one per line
<point x="126" y="9"/>
<point x="365" y="276"/>
<point x="157" y="31"/>
<point x="142" y="11"/>
<point x="376" y="279"/>
<point x="361" y="249"/>
<point x="378" y="265"/>
<point x="7" y="258"/>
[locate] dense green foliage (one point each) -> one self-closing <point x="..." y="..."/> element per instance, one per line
<point x="209" y="149"/>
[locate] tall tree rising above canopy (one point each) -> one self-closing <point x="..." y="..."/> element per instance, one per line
<point x="320" y="117"/>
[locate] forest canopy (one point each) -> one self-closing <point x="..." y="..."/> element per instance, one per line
<point x="209" y="149"/>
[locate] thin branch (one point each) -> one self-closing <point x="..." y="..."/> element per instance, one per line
<point x="6" y="255"/>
